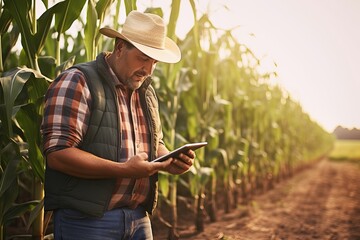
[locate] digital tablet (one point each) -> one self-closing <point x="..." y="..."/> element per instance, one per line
<point x="183" y="149"/>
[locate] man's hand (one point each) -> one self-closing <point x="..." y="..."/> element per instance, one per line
<point x="139" y="167"/>
<point x="181" y="164"/>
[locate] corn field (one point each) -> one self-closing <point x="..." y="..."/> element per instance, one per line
<point x="256" y="133"/>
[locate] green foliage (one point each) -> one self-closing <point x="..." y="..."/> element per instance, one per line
<point x="90" y="30"/>
<point x="255" y="131"/>
<point x="10" y="158"/>
<point x="130" y="5"/>
<point x="21" y="112"/>
<point x="66" y="13"/>
<point x="32" y="42"/>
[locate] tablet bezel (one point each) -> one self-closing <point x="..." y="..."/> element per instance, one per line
<point x="182" y="149"/>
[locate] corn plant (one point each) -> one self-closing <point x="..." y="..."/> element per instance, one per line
<point x="215" y="94"/>
<point x="20" y="111"/>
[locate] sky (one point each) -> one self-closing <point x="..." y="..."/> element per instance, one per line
<point x="314" y="43"/>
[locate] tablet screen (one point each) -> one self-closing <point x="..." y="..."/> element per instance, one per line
<point x="183" y="149"/>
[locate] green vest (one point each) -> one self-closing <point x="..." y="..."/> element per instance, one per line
<point x="103" y="138"/>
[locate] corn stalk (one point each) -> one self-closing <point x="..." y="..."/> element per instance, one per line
<point x="214" y="94"/>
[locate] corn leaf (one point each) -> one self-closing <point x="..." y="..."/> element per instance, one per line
<point x="43" y="24"/>
<point x="66" y="13"/>
<point x="29" y="120"/>
<point x="19" y="10"/>
<point x="90" y="30"/>
<point x="102" y="6"/>
<point x="130" y="5"/>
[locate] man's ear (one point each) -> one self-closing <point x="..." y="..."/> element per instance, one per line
<point x="118" y="43"/>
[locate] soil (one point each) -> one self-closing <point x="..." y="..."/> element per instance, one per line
<point x="320" y="202"/>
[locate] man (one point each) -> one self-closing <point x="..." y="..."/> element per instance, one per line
<point x="101" y="129"/>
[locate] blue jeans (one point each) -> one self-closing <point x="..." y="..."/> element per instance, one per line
<point x="120" y="223"/>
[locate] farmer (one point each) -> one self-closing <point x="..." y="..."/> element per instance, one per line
<point x="101" y="128"/>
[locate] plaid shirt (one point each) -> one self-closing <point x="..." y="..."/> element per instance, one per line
<point x="66" y="117"/>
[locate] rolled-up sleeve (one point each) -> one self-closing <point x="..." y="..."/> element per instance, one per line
<point x="66" y="112"/>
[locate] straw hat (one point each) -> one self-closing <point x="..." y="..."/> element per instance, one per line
<point x="147" y="32"/>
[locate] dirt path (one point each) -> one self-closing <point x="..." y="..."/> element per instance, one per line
<point x="322" y="202"/>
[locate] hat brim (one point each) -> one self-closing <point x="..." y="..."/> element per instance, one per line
<point x="170" y="54"/>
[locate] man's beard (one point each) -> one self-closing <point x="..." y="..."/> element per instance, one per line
<point x="133" y="85"/>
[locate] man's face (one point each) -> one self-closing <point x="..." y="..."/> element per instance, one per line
<point x="132" y="66"/>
